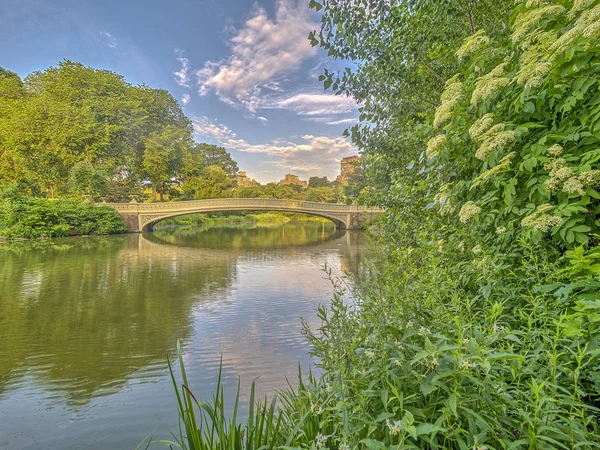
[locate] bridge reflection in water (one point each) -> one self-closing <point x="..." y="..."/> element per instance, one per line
<point x="143" y="216"/>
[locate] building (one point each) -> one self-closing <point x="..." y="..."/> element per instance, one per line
<point x="347" y="166"/>
<point x="293" y="180"/>
<point x="242" y="180"/>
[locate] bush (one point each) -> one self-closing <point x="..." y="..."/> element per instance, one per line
<point x="26" y="217"/>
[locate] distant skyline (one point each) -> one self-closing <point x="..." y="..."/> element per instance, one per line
<point x="243" y="71"/>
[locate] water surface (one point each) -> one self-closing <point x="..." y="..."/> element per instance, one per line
<point x="86" y="324"/>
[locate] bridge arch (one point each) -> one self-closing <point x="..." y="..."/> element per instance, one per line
<point x="143" y="216"/>
<point x="149" y="221"/>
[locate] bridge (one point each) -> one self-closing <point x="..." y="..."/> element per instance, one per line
<point x="140" y="217"/>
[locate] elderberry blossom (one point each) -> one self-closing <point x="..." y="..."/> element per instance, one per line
<point x="481" y="126"/>
<point x="450" y="98"/>
<point x="434" y="145"/>
<point x="490" y="83"/>
<point x="468" y="211"/>
<point x="472" y="44"/>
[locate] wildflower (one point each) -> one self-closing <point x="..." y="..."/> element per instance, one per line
<point x="590" y="178"/>
<point x="321" y="440"/>
<point x="483" y="263"/>
<point x="555" y="150"/>
<point x="369" y="354"/>
<point x="424" y="331"/>
<point x="494" y="141"/>
<point x="435" y="362"/>
<point x="540" y="221"/>
<point x="559" y="174"/>
<point x="344" y="446"/>
<point x="501" y="230"/>
<point x="328" y="387"/>
<point x="472" y="44"/>
<point x="480" y="126"/>
<point x="586" y="25"/>
<point x="467" y="364"/>
<point x="579" y="6"/>
<point x="489" y="84"/>
<point x="465" y="341"/>
<point x="395" y="427"/>
<point x="450" y="98"/>
<point x="477" y="249"/>
<point x="468" y="211"/>
<point x="399" y="345"/>
<point x="496" y="328"/>
<point x="397" y="363"/>
<point x="409" y="324"/>
<point x="440" y="245"/>
<point x="531" y="18"/>
<point x="434" y="145"/>
<point x="573" y="186"/>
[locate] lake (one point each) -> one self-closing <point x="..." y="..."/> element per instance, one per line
<point x="86" y="324"/>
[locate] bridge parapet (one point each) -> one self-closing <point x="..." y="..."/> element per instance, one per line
<point x="142" y="216"/>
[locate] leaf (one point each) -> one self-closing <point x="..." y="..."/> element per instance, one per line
<point x="428" y="428"/>
<point x="373" y="444"/>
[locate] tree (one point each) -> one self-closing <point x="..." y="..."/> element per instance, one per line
<point x="213" y="183"/>
<point x="218" y="156"/>
<point x="163" y="157"/>
<point x="314" y="182"/>
<point x="323" y="194"/>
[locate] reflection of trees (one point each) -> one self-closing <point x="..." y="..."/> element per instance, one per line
<point x="84" y="315"/>
<point x="243" y="237"/>
<point x="81" y="315"/>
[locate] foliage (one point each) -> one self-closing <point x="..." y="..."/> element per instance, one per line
<point x="315" y="182"/>
<point x="72" y="130"/>
<point x="26" y="217"/>
<point x="213" y="183"/>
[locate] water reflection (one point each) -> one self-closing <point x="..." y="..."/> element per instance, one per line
<point x="89" y="318"/>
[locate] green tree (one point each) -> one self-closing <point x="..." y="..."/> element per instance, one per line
<point x="218" y="156"/>
<point x="213" y="183"/>
<point x="163" y="157"/>
<point x="323" y="194"/>
<point x="315" y="182"/>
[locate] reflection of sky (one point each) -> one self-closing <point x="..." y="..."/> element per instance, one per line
<point x="243" y="305"/>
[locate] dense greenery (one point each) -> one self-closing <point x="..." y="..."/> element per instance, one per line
<point x="27" y="217"/>
<point x="481" y="326"/>
<point x="73" y="130"/>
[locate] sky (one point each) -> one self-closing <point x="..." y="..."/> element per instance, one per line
<point x="243" y="71"/>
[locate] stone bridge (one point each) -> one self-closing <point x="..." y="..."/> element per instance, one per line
<point x="141" y="217"/>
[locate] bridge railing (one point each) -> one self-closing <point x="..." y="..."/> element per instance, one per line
<point x="237" y="203"/>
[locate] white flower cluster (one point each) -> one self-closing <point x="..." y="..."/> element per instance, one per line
<point x="490" y="83"/>
<point x="344" y="446"/>
<point x="450" y="98"/>
<point x="587" y="25"/>
<point x="502" y="166"/>
<point x="434" y="145"/>
<point x="590" y="178"/>
<point x="501" y="230"/>
<point x="472" y="44"/>
<point x="496" y="138"/>
<point x="531" y="18"/>
<point x="555" y="150"/>
<point x="477" y="249"/>
<point x="534" y="63"/>
<point x="481" y="126"/>
<point x="540" y="221"/>
<point x="579" y="6"/>
<point x="442" y="197"/>
<point x="563" y="177"/>
<point x="468" y="211"/>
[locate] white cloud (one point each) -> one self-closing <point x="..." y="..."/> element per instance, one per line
<point x="313" y="155"/>
<point x="317" y="104"/>
<point x="260" y="51"/>
<point x="109" y="39"/>
<point x="203" y="126"/>
<point x="182" y="76"/>
<point x="185" y="99"/>
<point x="262" y="119"/>
<point x="342" y="121"/>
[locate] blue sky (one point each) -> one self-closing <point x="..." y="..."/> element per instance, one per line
<point x="243" y="70"/>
